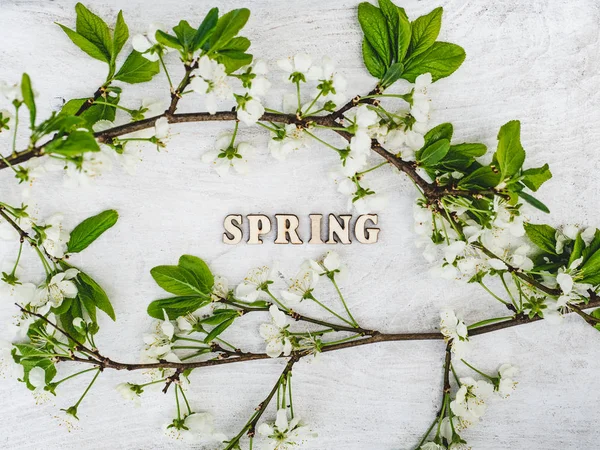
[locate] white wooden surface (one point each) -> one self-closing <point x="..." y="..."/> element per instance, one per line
<point x="536" y="61"/>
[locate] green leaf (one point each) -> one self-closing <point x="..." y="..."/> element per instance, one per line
<point x="168" y="41"/>
<point x="95" y="292"/>
<point x="473" y="150"/>
<point x="216" y="331"/>
<point x="205" y="29"/>
<point x="433" y="153"/>
<point x="441" y="60"/>
<point x="137" y="69"/>
<point x="534" y="178"/>
<point x="121" y="35"/>
<point x="185" y="34"/>
<point x="373" y="62"/>
<point x="398" y="28"/>
<point x="176" y="306"/>
<point x="577" y="251"/>
<point x="374" y="26"/>
<point x="227" y="27"/>
<point x="74" y="144"/>
<point x="543" y="236"/>
<point x="85" y="44"/>
<point x="91" y="229"/>
<point x="233" y="59"/>
<point x="200" y="270"/>
<point x="28" y="98"/>
<point x="392" y="75"/>
<point x="510" y="154"/>
<point x="593" y="247"/>
<point x="94" y="29"/>
<point x="424" y="32"/>
<point x="534" y="202"/>
<point x="95" y="112"/>
<point x="178" y="280"/>
<point x="442" y="131"/>
<point x="590" y="271"/>
<point x="482" y="178"/>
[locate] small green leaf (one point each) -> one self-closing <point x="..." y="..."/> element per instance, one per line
<point x="424" y="32"/>
<point x="510" y="154"/>
<point x="593" y="247"/>
<point x="482" y="178"/>
<point x="442" y="131"/>
<point x="590" y="271"/>
<point x="94" y="113"/>
<point x="28" y="98"/>
<point x="200" y="270"/>
<point x="91" y="229"/>
<point x="216" y="331"/>
<point x="441" y="60"/>
<point x="185" y="34"/>
<point x="227" y="27"/>
<point x="73" y="144"/>
<point x="205" y="29"/>
<point x="96" y="294"/>
<point x="374" y="26"/>
<point x="473" y="150"/>
<point x="534" y="178"/>
<point x="534" y="202"/>
<point x="373" y="62"/>
<point x="94" y="29"/>
<point x="168" y="41"/>
<point x="577" y="251"/>
<point x="398" y="28"/>
<point x="434" y="153"/>
<point x="178" y="280"/>
<point x="137" y="69"/>
<point x="543" y="236"/>
<point x="392" y="75"/>
<point x="176" y="306"/>
<point x="85" y="44"/>
<point x="233" y="59"/>
<point x="120" y="36"/>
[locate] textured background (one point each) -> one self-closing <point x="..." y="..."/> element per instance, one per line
<point x="535" y="61"/>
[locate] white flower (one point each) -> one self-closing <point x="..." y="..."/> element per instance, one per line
<point x="332" y="85"/>
<point x="454" y="329"/>
<point x="126" y="390"/>
<point x="369" y="203"/>
<point x="147" y="43"/>
<point x="431" y="446"/>
<point x="258" y="85"/>
<point x="215" y="85"/>
<point x="158" y="344"/>
<point x="497" y="264"/>
<point x="161" y="128"/>
<point x="453" y="250"/>
<point x="331" y="263"/>
<point x="469" y="403"/>
<point x="21" y="293"/>
<point x="284" y="434"/>
<point x="35" y="169"/>
<point x="7" y="231"/>
<point x="565" y="281"/>
<point x="251" y="111"/>
<point x="10" y="92"/>
<point x="275" y="334"/>
<point x="520" y="260"/>
<point x="506" y="385"/>
<point x="220" y="288"/>
<point x="256" y="281"/>
<point x="299" y="68"/>
<point x="301" y="285"/>
<point x="55" y="237"/>
<point x="588" y="235"/>
<point x="53" y="293"/>
<point x="91" y="165"/>
<point x="290" y="138"/>
<point x="507" y="220"/>
<point x="421" y="103"/>
<point x="225" y="156"/>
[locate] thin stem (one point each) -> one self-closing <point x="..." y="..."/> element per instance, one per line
<point x="322" y="141"/>
<point x="477" y="370"/>
<point x="88" y="388"/>
<point x="332" y="278"/>
<point x="492" y="294"/>
<point x="385" y="163"/>
<point x="312" y="297"/>
<point x="74" y="375"/>
<point x="162" y="63"/>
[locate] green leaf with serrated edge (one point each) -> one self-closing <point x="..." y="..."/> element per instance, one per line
<point x="200" y="270"/>
<point x="590" y="271"/>
<point x="121" y="34"/>
<point x="424" y="32"/>
<point x="217" y="318"/>
<point x="374" y="26"/>
<point x="233" y="59"/>
<point x="177" y="280"/>
<point x="534" y="178"/>
<point x="94" y="29"/>
<point x="85" y="295"/>
<point x="510" y="155"/>
<point x="28" y="98"/>
<point x="185" y="34"/>
<point x="168" y="41"/>
<point x="441" y="60"/>
<point x="392" y="75"/>
<point x="176" y="306"/>
<point x="95" y="112"/>
<point x="137" y="69"/>
<point x="577" y="251"/>
<point x="474" y="150"/>
<point x="373" y="62"/>
<point x="442" y="131"/>
<point x="216" y="331"/>
<point x="392" y="16"/>
<point x="63" y="307"/>
<point x="205" y="29"/>
<point x="227" y="27"/>
<point x="482" y="178"/>
<point x="97" y="294"/>
<point x="534" y="202"/>
<point x="543" y="236"/>
<point x="433" y="153"/>
<point x="84" y="44"/>
<point x="74" y="144"/>
<point x="91" y="229"/>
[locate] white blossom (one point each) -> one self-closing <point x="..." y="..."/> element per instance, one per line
<point x="11" y="92"/>
<point x="225" y="156"/>
<point x="506" y="385"/>
<point x="469" y="403"/>
<point x="301" y="285"/>
<point x="301" y="64"/>
<point x="213" y="82"/>
<point x="53" y="293"/>
<point x="202" y="425"/>
<point x="454" y="329"/>
<point x="256" y="280"/>
<point x="421" y="102"/>
<point x="275" y="334"/>
<point x="55" y="237"/>
<point x="159" y="343"/>
<point x="284" y="434"/>
<point x="147" y="43"/>
<point x="291" y="139"/>
<point x="251" y="111"/>
<point x="259" y="85"/>
<point x="126" y="390"/>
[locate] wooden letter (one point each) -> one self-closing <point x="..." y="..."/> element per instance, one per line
<point x="369" y="235"/>
<point x="315" y="229"/>
<point x="341" y="231"/>
<point x="287" y="225"/>
<point x="233" y="233"/>
<point x="259" y="224"/>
